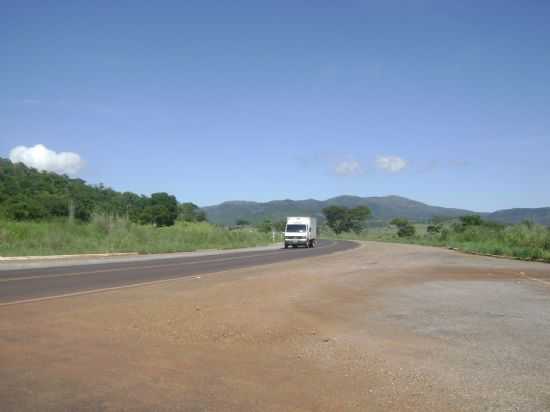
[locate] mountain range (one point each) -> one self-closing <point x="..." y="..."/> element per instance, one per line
<point x="383" y="209"/>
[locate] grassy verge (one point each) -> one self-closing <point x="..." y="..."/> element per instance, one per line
<point x="103" y="236"/>
<point x="523" y="241"/>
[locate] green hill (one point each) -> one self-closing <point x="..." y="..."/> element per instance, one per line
<point x="539" y="215"/>
<point x="384" y="209"/>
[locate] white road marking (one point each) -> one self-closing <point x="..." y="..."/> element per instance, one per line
<point x="113" y="288"/>
<point x="92" y="291"/>
<point x="91" y="272"/>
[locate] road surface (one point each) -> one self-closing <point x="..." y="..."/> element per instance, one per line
<point x="31" y="284"/>
<point x="381" y="327"/>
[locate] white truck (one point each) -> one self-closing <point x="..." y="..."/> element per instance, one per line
<point x="301" y="231"/>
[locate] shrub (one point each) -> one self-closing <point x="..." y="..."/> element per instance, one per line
<point x="433" y="229"/>
<point x="407" y="230"/>
<point x="404" y="227"/>
<point x="399" y="221"/>
<point x="471" y="220"/>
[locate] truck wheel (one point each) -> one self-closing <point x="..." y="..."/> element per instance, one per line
<point x="286" y="245"/>
<point x="314" y="243"/>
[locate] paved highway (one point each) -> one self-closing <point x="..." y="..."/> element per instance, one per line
<point x="34" y="284"/>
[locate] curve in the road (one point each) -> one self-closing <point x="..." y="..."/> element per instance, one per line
<point x="19" y="286"/>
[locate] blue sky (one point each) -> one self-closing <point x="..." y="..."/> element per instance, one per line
<point x="441" y="101"/>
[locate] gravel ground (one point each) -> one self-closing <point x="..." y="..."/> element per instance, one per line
<point x="383" y="327"/>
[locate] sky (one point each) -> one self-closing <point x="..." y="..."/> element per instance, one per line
<point x="443" y="102"/>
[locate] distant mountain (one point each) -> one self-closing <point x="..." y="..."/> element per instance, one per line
<point x="383" y="209"/>
<point x="539" y="215"/>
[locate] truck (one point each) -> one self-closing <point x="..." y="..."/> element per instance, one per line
<point x="301" y="231"/>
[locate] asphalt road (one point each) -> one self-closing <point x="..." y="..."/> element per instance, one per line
<point x="31" y="284"/>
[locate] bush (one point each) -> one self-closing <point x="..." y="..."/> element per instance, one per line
<point x="433" y="229"/>
<point x="471" y="220"/>
<point x="404" y="227"/>
<point x="407" y="230"/>
<point x="399" y="221"/>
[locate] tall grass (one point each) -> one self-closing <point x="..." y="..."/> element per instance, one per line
<point x="103" y="234"/>
<point x="524" y="241"/>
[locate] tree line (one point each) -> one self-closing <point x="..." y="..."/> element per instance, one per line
<point x="338" y="218"/>
<point x="28" y="194"/>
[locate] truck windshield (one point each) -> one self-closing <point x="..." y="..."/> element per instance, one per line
<point x="296" y="228"/>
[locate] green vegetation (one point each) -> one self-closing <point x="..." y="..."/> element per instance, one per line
<point x="103" y="234"/>
<point x="341" y="219"/>
<point x="45" y="213"/>
<point x="469" y="233"/>
<point x="190" y="212"/>
<point x="404" y="227"/>
<point x="383" y="208"/>
<point x="27" y="194"/>
<point x="268" y="226"/>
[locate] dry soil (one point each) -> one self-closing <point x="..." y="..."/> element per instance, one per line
<point x="384" y="327"/>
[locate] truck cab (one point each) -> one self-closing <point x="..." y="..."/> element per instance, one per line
<point x="301" y="231"/>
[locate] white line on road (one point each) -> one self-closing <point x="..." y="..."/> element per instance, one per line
<point x="91" y="272"/>
<point x="133" y="285"/>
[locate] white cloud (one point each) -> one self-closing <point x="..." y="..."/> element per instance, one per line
<point x="42" y="158"/>
<point x="391" y="164"/>
<point x="348" y="168"/>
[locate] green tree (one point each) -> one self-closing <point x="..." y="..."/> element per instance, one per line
<point x="145" y="216"/>
<point x="279" y="225"/>
<point x="21" y="208"/>
<point x="433" y="229"/>
<point x="399" y="221"/>
<point x="26" y="193"/>
<point x="265" y="226"/>
<point x="407" y="230"/>
<point x="242" y="222"/>
<point x="164" y="209"/>
<point x="190" y="212"/>
<point x="54" y="205"/>
<point x="357" y="217"/>
<point x="471" y="220"/>
<point x="341" y="219"/>
<point x="337" y="218"/>
<point x="404" y="227"/>
<point x="528" y="223"/>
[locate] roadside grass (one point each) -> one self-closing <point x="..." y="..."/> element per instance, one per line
<point x="522" y="241"/>
<point x="104" y="235"/>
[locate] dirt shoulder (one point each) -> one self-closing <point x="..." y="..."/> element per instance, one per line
<point x="383" y="327"/>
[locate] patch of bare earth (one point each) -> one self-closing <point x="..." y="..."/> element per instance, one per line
<point x="383" y="327"/>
